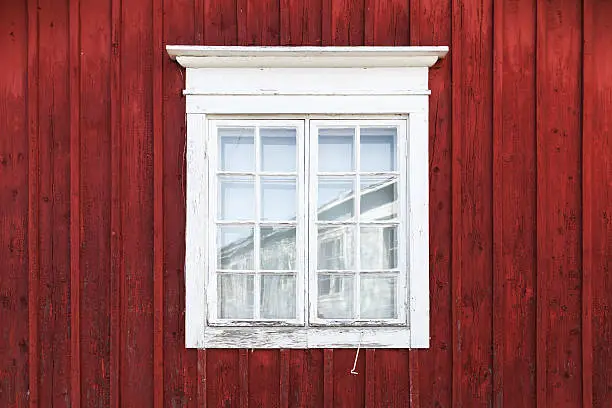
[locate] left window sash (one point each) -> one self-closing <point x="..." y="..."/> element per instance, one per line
<point x="256" y="223"/>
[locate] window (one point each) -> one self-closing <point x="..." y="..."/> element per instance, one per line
<point x="307" y="196"/>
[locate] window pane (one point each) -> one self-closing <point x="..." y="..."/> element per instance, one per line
<point x="336" y="247"/>
<point x="336" y="198"/>
<point x="378" y="199"/>
<point x="378" y="247"/>
<point x="235" y="295"/>
<point x="278" y="149"/>
<point x="278" y="197"/>
<point x="278" y="250"/>
<point x="336" y="149"/>
<point x="378" y="297"/>
<point x="278" y="297"/>
<point x="236" y="198"/>
<point x="378" y="149"/>
<point x="235" y="248"/>
<point x="335" y="296"/>
<point x="236" y="149"/>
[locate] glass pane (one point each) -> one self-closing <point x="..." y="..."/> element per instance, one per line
<point x="278" y="149"/>
<point x="378" y="297"/>
<point x="236" y="198"/>
<point x="278" y="199"/>
<point x="278" y="250"/>
<point x="336" y="247"/>
<point x="378" y="149"/>
<point x="336" y="149"/>
<point x="336" y="198"/>
<point x="235" y="248"/>
<point x="278" y="297"/>
<point x="378" y="199"/>
<point x="235" y="296"/>
<point x="236" y="149"/>
<point x="379" y="247"/>
<point x="335" y="296"/>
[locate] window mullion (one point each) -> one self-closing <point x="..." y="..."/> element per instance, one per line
<point x="256" y="230"/>
<point x="357" y="189"/>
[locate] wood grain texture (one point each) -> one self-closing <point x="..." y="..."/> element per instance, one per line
<point x="514" y="208"/>
<point x="597" y="205"/>
<point x="472" y="202"/>
<point x="559" y="225"/>
<point x="300" y="22"/>
<point x="14" y="207"/>
<point x="387" y="22"/>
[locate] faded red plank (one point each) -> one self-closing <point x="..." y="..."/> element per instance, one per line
<point x="258" y="22"/>
<point x="387" y="22"/>
<point x="430" y="24"/>
<point x="14" y="207"/>
<point x="343" y="22"/>
<point x="222" y="387"/>
<point x="559" y="203"/>
<point x="95" y="200"/>
<point x="386" y="375"/>
<point x="597" y="201"/>
<point x="514" y="212"/>
<point x="180" y="364"/>
<point x="136" y="381"/>
<point x="306" y="378"/>
<point x="472" y="203"/>
<point x="54" y="281"/>
<point x="263" y="378"/>
<point x="300" y="22"/>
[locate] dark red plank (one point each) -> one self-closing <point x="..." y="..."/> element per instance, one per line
<point x="180" y="364"/>
<point x="472" y="202"/>
<point x="559" y="203"/>
<point x="387" y="22"/>
<point x="136" y="379"/>
<point x="348" y="389"/>
<point x="514" y="212"/>
<point x="258" y="22"/>
<point x="54" y="133"/>
<point x="220" y="22"/>
<point x="222" y="388"/>
<point x="386" y="376"/>
<point x="343" y="22"/>
<point x="300" y="22"/>
<point x="263" y="378"/>
<point x="597" y="201"/>
<point x="430" y="24"/>
<point x="306" y="378"/>
<point x="13" y="207"/>
<point x="95" y="200"/>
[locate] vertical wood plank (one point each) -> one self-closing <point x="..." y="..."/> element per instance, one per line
<point x="184" y="373"/>
<point x="243" y="377"/>
<point x="430" y="24"/>
<point x="116" y="235"/>
<point x="343" y="22"/>
<point x="597" y="204"/>
<point x="472" y="202"/>
<point x="514" y="210"/>
<point x="137" y="208"/>
<point x="95" y="202"/>
<point x="258" y="22"/>
<point x="264" y="378"/>
<point x="386" y="375"/>
<point x="55" y="217"/>
<point x="328" y="378"/>
<point x="75" y="192"/>
<point x="220" y="22"/>
<point x="306" y="378"/>
<point x="559" y="202"/>
<point x="300" y="22"/>
<point x="14" y="206"/>
<point x="348" y="389"/>
<point x="284" y="378"/>
<point x="387" y="22"/>
<point x="223" y="384"/>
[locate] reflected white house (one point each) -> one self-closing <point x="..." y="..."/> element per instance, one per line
<point x="336" y="260"/>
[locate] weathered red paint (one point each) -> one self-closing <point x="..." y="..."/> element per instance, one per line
<point x="92" y="182"/>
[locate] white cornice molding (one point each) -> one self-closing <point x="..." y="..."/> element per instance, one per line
<point x="190" y="56"/>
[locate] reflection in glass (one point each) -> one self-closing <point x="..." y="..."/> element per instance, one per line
<point x="336" y="150"/>
<point x="334" y="296"/>
<point x="378" y="149"/>
<point x="278" y="250"/>
<point x="235" y="295"/>
<point x="378" y="199"/>
<point x="236" y="149"/>
<point x="336" y="198"/>
<point x="278" y="196"/>
<point x="278" y="297"/>
<point x="235" y="248"/>
<point x="236" y="198"/>
<point x="336" y="247"/>
<point x="378" y="297"/>
<point x="378" y="247"/>
<point x="278" y="149"/>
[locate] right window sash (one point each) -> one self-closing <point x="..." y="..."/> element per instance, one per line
<point x="357" y="176"/>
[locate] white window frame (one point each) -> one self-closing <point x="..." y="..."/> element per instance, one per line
<point x="306" y="83"/>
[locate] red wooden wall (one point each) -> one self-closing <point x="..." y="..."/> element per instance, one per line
<point x="92" y="208"/>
